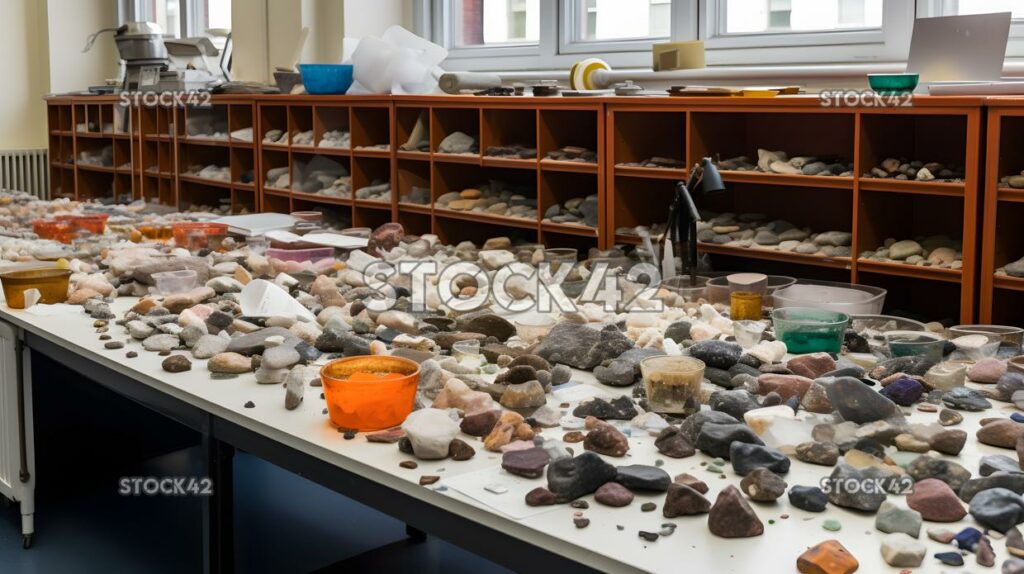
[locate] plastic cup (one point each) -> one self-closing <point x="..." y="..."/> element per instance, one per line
<point x="806" y="330"/>
<point x="673" y="384"/>
<point x="748" y="333"/>
<point x="171" y="282"/>
<point x="467" y="352"/>
<point x="369" y="393"/>
<point x="533" y="329"/>
<point x="677" y="290"/>
<point x="258" y="244"/>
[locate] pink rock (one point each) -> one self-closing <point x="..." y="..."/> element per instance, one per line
<point x="987" y="371"/>
<point x="518" y="445"/>
<point x="786" y="385"/>
<point x="936" y="501"/>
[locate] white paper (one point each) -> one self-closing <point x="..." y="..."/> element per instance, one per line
<point x="258" y="223"/>
<point x="580" y="393"/>
<point x="511" y="503"/>
<point x="261" y="298"/>
<point x="326" y="239"/>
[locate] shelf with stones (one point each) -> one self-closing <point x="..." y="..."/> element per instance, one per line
<point x="779" y="168"/>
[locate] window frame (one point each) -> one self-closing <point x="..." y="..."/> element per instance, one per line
<point x="681" y="28"/>
<point x="190" y="27"/>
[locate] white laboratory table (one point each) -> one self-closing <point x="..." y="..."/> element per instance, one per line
<point x="303" y="441"/>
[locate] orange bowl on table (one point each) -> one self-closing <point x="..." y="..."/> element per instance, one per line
<point x="369" y="393"/>
<point x="56" y="230"/>
<point x="198" y="234"/>
<point x="94" y="223"/>
<point x="51" y="282"/>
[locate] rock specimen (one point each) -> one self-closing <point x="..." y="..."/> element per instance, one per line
<point x="582" y="347"/>
<point x="829" y="557"/>
<point x="732" y="517"/>
<point x="571" y="478"/>
<point x="430" y="431"/>
<point x="683" y="500"/>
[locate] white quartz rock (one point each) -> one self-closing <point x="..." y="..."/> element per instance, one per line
<point x="653" y="423"/>
<point x="768" y="351"/>
<point x="760" y="419"/>
<point x="430" y="431"/>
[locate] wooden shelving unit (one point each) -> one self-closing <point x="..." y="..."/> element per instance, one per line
<point x="155" y="150"/>
<point x="934" y="129"/>
<point x="1001" y="298"/>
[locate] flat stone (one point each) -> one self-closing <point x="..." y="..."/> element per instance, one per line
<point x="947" y="471"/>
<point x="613" y="494"/>
<point x="965" y="399"/>
<point x="1002" y="433"/>
<point x="891" y="518"/>
<point x="540" y="496"/>
<point x="715" y="439"/>
<point x="809" y="498"/>
<point x="161" y="342"/>
<point x="569" y="479"/>
<point x="229" y="363"/>
<point x="621" y="408"/>
<point x="528" y="463"/>
<point x="643" y="477"/>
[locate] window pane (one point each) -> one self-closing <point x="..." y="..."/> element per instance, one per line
<point x="772" y="16"/>
<point x="166" y="13"/>
<point x="964" y="7"/>
<point x="487" y="22"/>
<point x="213" y="14"/>
<point x="622" y="19"/>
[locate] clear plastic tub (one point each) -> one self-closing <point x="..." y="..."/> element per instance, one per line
<point x="196" y="235"/>
<point x="839" y="297"/>
<point x="915" y="343"/>
<point x="883" y="323"/>
<point x="300" y="255"/>
<point x="171" y="282"/>
<point x="1011" y="338"/>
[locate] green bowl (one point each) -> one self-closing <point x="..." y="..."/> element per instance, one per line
<point x="806" y="330"/>
<point x="889" y="84"/>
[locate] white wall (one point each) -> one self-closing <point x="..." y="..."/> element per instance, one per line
<point x="69" y="23"/>
<point x="23" y="43"/>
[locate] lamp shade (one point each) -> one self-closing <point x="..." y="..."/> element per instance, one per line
<point x="712" y="180"/>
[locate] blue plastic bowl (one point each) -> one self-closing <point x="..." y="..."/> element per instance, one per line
<point x="326" y="79"/>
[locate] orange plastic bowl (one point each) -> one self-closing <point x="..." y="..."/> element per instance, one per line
<point x="62" y="231"/>
<point x="92" y="223"/>
<point x="369" y="393"/>
<point x="198" y="234"/>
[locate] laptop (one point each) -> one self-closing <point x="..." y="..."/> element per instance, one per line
<point x="959" y="48"/>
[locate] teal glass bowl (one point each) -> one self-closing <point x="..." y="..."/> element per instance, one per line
<point x="805" y="330"/>
<point x="889" y="84"/>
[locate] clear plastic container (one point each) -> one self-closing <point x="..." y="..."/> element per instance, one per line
<point x="300" y="255"/>
<point x="810" y="330"/>
<point x="194" y="235"/>
<point x="673" y="384"/>
<point x="534" y="328"/>
<point x="675" y="291"/>
<point x="1011" y="338"/>
<point x="915" y="343"/>
<point x="839" y="297"/>
<point x="718" y="287"/>
<point x="171" y="282"/>
<point x="883" y="323"/>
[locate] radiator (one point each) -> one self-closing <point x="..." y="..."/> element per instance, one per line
<point x="25" y="170"/>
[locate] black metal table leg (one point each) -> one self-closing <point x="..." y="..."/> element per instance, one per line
<point x="218" y="507"/>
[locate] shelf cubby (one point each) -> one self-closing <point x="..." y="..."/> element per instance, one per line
<point x="505" y="128"/>
<point x="406" y="120"/>
<point x="639" y="135"/>
<point x="446" y="121"/>
<point x="371" y="130"/>
<point x="412" y="174"/>
<point x="330" y="118"/>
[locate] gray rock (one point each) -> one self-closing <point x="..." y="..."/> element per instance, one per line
<point x="965" y="399"/>
<point x="717" y="354"/>
<point x="998" y="508"/>
<point x="295" y="387"/>
<point x="571" y="478"/>
<point x="734" y="403"/>
<point x="625" y="369"/>
<point x="1013" y="481"/>
<point x="858" y="499"/>
<point x="678" y="331"/>
<point x="280" y="357"/>
<point x="209" y="345"/>
<point x="161" y="342"/>
<point x="859" y="403"/>
<point x="582" y="347"/>
<point x="947" y="471"/>
<point x="254" y="343"/>
<point x="746" y="458"/>
<point x="892" y="518"/>
<point x="643" y="477"/>
<point x="716" y="439"/>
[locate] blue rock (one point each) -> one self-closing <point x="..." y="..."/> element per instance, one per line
<point x="903" y="392"/>
<point x="1017" y="417"/>
<point x="968" y="538"/>
<point x="950" y="558"/>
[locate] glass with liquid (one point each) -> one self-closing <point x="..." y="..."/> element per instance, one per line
<point x="746" y="296"/>
<point x="673" y="384"/>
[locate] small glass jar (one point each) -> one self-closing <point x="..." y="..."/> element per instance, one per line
<point x="673" y="384"/>
<point x="746" y="296"/>
<point x="467" y="353"/>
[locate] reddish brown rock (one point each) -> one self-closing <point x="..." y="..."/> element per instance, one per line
<point x="607" y="440"/>
<point x="785" y="385"/>
<point x="1003" y="433"/>
<point x="385" y="238"/>
<point x="540" y="496"/>
<point x="936" y="501"/>
<point x="691" y="481"/>
<point x="682" y="500"/>
<point x="613" y="494"/>
<point x="812" y="366"/>
<point x="732" y="517"/>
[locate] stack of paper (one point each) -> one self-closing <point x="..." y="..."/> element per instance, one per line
<point x="257" y="223"/>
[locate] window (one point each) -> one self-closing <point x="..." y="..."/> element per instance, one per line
<point x="477" y="23"/>
<point x="599" y="20"/>
<point x="505" y="35"/>
<point x="180" y="18"/>
<point x="786" y="16"/>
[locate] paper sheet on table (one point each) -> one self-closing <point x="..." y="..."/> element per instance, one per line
<point x="47" y="310"/>
<point x="511" y="503"/>
<point x="261" y="298"/>
<point x="257" y="223"/>
<point x="326" y="239"/>
<point x="570" y="393"/>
